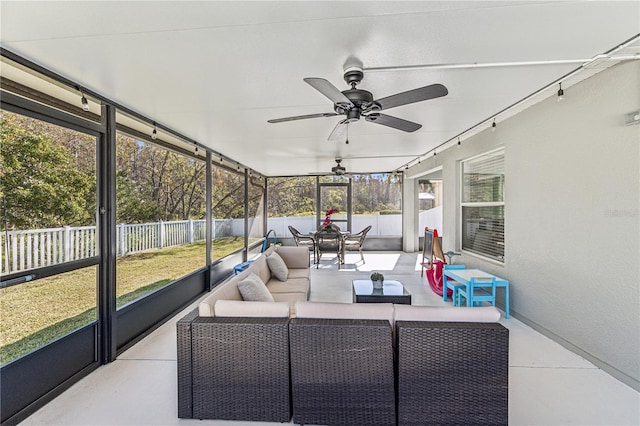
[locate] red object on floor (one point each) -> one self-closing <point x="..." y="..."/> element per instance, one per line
<point x="436" y="281"/>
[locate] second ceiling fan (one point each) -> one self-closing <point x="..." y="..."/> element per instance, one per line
<point x="355" y="103"/>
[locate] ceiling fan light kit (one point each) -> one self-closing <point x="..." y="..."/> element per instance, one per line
<point x="354" y="103"/>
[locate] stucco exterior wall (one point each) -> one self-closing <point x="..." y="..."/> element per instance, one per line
<point x="572" y="224"/>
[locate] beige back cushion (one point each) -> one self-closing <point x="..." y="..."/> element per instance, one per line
<point x="375" y="311"/>
<point x="446" y="313"/>
<point x="260" y="268"/>
<point x="227" y="290"/>
<point x="277" y="266"/>
<point x="253" y="289"/>
<point x="295" y="257"/>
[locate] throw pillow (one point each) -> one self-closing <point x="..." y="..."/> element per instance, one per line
<point x="253" y="289"/>
<point x="278" y="267"/>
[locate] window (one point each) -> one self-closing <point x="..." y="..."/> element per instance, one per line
<point x="47" y="205"/>
<point x="227" y="212"/>
<point x="291" y="201"/>
<point x="377" y="201"/>
<point x="483" y="205"/>
<point x="160" y="215"/>
<point x="257" y="187"/>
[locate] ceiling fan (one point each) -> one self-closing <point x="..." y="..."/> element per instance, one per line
<point x="355" y="103"/>
<point x="338" y="169"/>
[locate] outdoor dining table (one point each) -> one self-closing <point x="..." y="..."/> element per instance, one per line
<point x="464" y="276"/>
<point x="343" y="235"/>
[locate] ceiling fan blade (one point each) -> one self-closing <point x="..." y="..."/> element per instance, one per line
<point x="411" y="96"/>
<point x="302" y="117"/>
<point x="395" y="122"/>
<point x="339" y="130"/>
<point x="330" y="91"/>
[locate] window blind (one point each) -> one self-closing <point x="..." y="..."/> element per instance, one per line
<point x="483" y="205"/>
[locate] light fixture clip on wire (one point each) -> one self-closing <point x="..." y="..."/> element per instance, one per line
<point x="83" y="100"/>
<point x="560" y="92"/>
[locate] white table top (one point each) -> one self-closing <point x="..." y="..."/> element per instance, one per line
<point x="467" y="274"/>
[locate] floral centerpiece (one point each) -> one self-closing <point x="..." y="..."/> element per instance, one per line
<point x="327" y="217"/>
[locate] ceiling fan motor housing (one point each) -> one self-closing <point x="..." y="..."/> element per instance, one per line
<point x="360" y="98"/>
<point x="353" y="75"/>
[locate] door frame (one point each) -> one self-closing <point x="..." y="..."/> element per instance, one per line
<point x="320" y="213"/>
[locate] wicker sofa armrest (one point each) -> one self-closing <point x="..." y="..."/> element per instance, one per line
<point x="239" y="370"/>
<point x="452" y="373"/>
<point x="342" y="372"/>
<point x="183" y="331"/>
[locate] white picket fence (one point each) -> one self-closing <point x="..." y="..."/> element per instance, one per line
<point x="36" y="248"/>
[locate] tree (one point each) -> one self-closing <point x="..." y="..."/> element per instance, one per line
<point x="227" y="194"/>
<point x="39" y="183"/>
<point x="291" y="196"/>
<point x="155" y="183"/>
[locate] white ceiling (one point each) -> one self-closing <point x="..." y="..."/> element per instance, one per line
<point x="217" y="71"/>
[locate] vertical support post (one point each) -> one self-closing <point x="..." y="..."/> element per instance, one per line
<point x="191" y="238"/>
<point x="246" y="215"/>
<point x="107" y="338"/>
<point x="265" y="227"/>
<point x="121" y="230"/>
<point x="318" y="207"/>
<point x="349" y="205"/>
<point x="67" y="244"/>
<point x="160" y="234"/>
<point x="5" y="257"/>
<point x="209" y="230"/>
<point x="410" y="233"/>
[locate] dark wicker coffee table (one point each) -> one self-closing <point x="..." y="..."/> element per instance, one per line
<point x="392" y="292"/>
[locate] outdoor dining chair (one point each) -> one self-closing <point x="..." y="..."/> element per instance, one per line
<point x="304" y="240"/>
<point x="329" y="240"/>
<point x="356" y="241"/>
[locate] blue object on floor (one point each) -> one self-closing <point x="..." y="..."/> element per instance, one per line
<point x="242" y="266"/>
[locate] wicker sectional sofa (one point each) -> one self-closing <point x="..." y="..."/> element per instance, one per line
<point x="343" y="364"/>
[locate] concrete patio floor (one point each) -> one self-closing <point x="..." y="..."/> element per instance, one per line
<point x="548" y="385"/>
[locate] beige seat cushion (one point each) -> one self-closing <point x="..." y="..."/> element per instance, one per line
<point x="278" y="267"/>
<point x="446" y="313"/>
<point x="369" y="311"/>
<point x="292" y="285"/>
<point x="254" y="290"/>
<point x="291" y="299"/>
<point x="236" y="308"/>
<point x="299" y="273"/>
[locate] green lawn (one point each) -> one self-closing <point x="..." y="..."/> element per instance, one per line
<point x="35" y="313"/>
